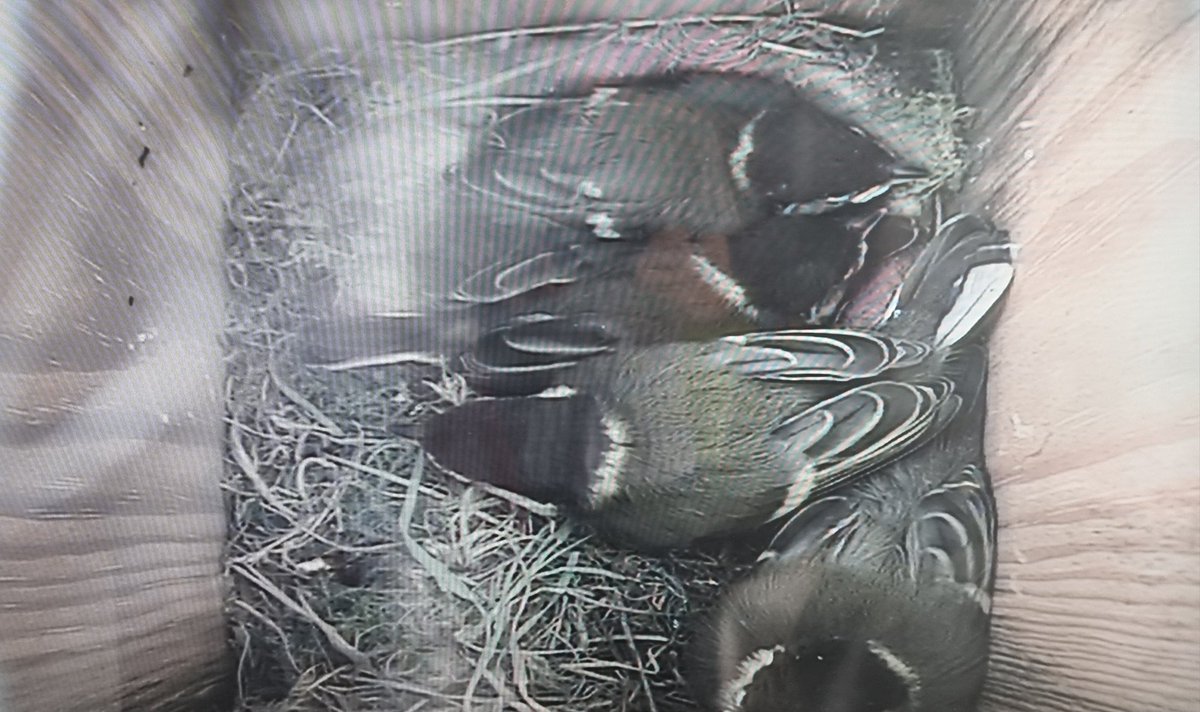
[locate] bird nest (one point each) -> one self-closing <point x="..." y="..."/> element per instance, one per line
<point x="362" y="579"/>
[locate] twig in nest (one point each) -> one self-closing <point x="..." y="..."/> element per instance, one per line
<point x="521" y="678"/>
<point x="446" y="579"/>
<point x="638" y="660"/>
<point x="384" y="475"/>
<point x="250" y="470"/>
<point x="266" y="620"/>
<point x="302" y="609"/>
<point x="598" y="26"/>
<point x="305" y="404"/>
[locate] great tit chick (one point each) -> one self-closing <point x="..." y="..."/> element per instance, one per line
<point x="872" y="598"/>
<point x="665" y="445"/>
<point x="668" y="286"/>
<point x="876" y="597"/>
<point x="698" y="151"/>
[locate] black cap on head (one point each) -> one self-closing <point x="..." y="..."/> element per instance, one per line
<point x="801" y="154"/>
<point x="832" y="675"/>
<point x="542" y="447"/>
<point x="788" y="263"/>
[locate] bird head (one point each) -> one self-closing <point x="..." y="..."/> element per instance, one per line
<point x="831" y="675"/>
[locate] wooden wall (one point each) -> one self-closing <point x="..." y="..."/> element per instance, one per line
<point x="111" y="519"/>
<point x="111" y="522"/>
<point x="1091" y="109"/>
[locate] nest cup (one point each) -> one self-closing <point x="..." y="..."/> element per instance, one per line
<point x="360" y="579"/>
<point x="1083" y="144"/>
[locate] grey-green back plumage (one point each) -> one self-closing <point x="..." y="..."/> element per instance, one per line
<point x="717" y="438"/>
<point x="876" y="597"/>
<point x="899" y="566"/>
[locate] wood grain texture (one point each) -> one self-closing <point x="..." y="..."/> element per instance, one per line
<point x="111" y="519"/>
<point x="1090" y="111"/>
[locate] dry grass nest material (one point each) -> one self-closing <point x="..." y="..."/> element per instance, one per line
<point x="363" y="579"/>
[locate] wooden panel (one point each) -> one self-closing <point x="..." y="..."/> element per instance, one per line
<point x="109" y="413"/>
<point x="1091" y="113"/>
<point x="111" y="519"/>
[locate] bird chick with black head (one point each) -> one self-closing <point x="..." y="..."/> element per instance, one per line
<point x="662" y="446"/>
<point x="670" y="285"/>
<point x="873" y="598"/>
<point x="704" y="152"/>
<point x="680" y="207"/>
<point x="876" y="597"/>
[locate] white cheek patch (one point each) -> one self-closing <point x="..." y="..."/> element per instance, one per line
<point x="733" y="692"/>
<point x="606" y="480"/>
<point x="900" y="668"/>
<point x="726" y="287"/>
<point x="741" y="154"/>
